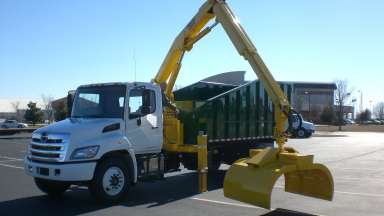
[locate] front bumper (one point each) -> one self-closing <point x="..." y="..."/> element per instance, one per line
<point x="60" y="172"/>
<point x="311" y="131"/>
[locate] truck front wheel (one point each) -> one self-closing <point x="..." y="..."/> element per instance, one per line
<point x="52" y="188"/>
<point x="111" y="180"/>
<point x="301" y="133"/>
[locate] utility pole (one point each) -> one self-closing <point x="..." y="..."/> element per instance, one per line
<point x="370" y="106"/>
<point x="354" y="111"/>
<point x="361" y="108"/>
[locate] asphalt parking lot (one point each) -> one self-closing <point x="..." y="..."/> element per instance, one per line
<point x="354" y="159"/>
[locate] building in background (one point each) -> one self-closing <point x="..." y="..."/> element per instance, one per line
<point x="311" y="99"/>
<point x="308" y="98"/>
<point x="64" y="103"/>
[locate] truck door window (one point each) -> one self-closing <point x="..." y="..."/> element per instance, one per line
<point x="139" y="98"/>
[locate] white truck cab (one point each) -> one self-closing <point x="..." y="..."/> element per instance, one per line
<point x="110" y="126"/>
<point x="302" y="128"/>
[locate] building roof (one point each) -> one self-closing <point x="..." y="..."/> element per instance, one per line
<point x="321" y="85"/>
<point x="235" y="78"/>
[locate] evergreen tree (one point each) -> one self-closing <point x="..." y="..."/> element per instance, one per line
<point x="33" y="113"/>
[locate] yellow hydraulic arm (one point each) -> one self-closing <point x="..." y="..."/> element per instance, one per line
<point x="250" y="179"/>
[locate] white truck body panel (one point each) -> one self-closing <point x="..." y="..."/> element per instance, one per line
<point x="68" y="172"/>
<point x="76" y="133"/>
<point x="148" y="136"/>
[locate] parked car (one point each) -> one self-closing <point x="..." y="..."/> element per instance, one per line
<point x="348" y="121"/>
<point x="368" y="122"/>
<point x="13" y="124"/>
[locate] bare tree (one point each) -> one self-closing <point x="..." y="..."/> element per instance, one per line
<point x="378" y="110"/>
<point x="47" y="106"/>
<point x="15" y="106"/>
<point x="343" y="92"/>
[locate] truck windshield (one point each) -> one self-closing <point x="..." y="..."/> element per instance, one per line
<point x="99" y="102"/>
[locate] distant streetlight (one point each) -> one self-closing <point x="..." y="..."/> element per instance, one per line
<point x="309" y="103"/>
<point x="353" y="104"/>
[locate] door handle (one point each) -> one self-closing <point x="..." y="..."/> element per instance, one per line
<point x="154" y="128"/>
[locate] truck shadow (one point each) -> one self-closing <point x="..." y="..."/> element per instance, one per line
<point x="78" y="201"/>
<point x="286" y="212"/>
<point x="162" y="192"/>
<point x="146" y="195"/>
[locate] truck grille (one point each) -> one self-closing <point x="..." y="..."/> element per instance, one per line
<point x="48" y="147"/>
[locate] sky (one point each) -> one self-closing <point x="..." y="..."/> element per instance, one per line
<point x="49" y="47"/>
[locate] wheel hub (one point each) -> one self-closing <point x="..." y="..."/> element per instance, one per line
<point x="113" y="181"/>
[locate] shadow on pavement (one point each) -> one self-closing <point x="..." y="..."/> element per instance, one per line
<point x="286" y="212"/>
<point x="329" y="135"/>
<point x="78" y="201"/>
<point x="148" y="195"/>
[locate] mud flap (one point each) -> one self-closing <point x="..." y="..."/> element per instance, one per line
<point x="251" y="180"/>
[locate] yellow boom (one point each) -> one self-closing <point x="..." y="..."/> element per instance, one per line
<point x="249" y="179"/>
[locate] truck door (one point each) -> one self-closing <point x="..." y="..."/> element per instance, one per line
<point x="144" y="122"/>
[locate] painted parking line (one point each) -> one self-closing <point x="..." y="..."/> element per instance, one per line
<point x="227" y="203"/>
<point x="354" y="169"/>
<point x="360" y="194"/>
<point x="346" y="192"/>
<point x="5" y="159"/>
<point x="10" y="158"/>
<point x="344" y="179"/>
<point x="11" y="166"/>
<point x="237" y="204"/>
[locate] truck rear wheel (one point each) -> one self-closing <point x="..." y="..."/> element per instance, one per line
<point x="111" y="181"/>
<point x="214" y="163"/>
<point x="52" y="188"/>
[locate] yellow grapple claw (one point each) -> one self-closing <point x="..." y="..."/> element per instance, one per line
<point x="251" y="180"/>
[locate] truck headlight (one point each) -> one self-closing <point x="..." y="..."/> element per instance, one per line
<point x="85" y="153"/>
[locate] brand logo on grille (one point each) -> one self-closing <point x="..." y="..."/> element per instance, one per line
<point x="44" y="137"/>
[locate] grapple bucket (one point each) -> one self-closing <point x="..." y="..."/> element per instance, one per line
<point x="251" y="180"/>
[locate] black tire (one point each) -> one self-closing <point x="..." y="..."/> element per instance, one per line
<point x="214" y="163"/>
<point x="96" y="186"/>
<point x="52" y="188"/>
<point x="308" y="134"/>
<point x="301" y="133"/>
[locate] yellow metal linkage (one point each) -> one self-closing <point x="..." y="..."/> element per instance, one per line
<point x="250" y="179"/>
<point x="202" y="163"/>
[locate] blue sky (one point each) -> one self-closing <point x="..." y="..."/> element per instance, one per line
<point x="49" y="47"/>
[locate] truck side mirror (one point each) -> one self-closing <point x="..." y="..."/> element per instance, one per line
<point x="145" y="110"/>
<point x="70" y="98"/>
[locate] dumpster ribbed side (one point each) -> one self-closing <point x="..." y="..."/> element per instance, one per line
<point x="242" y="113"/>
